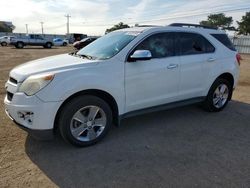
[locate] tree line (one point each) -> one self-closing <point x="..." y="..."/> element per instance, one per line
<point x="213" y="20"/>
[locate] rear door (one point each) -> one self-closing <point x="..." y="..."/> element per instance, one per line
<point x="195" y="52"/>
<point x="40" y="40"/>
<point x="153" y="82"/>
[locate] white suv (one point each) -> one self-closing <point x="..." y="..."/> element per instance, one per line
<point x="121" y="74"/>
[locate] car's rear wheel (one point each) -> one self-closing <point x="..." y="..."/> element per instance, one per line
<point x="85" y="120"/>
<point x="48" y="45"/>
<point x="218" y="96"/>
<point x="65" y="44"/>
<point x="3" y="43"/>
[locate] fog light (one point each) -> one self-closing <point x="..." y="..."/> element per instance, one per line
<point x="26" y="116"/>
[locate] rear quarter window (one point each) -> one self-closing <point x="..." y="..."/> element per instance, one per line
<point x="223" y="38"/>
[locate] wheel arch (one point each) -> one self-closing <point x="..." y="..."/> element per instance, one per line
<point x="19" y="41"/>
<point x="227" y="76"/>
<point x="94" y="92"/>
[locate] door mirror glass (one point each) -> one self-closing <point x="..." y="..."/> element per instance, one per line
<point x="141" y="55"/>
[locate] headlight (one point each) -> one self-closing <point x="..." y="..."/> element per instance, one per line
<point x="35" y="83"/>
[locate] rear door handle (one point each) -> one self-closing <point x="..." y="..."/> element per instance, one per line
<point x="172" y="66"/>
<point x="211" y="59"/>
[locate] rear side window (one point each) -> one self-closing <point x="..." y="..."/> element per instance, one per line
<point x="192" y="43"/>
<point x="224" y="40"/>
<point x="160" y="45"/>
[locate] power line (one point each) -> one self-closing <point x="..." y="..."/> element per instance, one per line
<point x="172" y="17"/>
<point x="199" y="14"/>
<point x="190" y="13"/>
<point x="119" y="18"/>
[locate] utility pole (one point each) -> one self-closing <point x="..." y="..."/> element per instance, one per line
<point x="67" y="16"/>
<point x="27" y="30"/>
<point x="42" y="27"/>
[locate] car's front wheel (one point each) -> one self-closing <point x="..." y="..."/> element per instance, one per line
<point x="218" y="96"/>
<point x="85" y="120"/>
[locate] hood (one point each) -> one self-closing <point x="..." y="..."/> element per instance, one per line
<point x="50" y="64"/>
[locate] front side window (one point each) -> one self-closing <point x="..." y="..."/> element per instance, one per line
<point x="160" y="45"/>
<point x="109" y="45"/>
<point x="192" y="43"/>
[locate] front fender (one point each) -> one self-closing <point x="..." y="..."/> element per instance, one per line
<point x="67" y="83"/>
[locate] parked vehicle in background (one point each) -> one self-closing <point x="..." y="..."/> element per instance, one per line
<point x="84" y="42"/>
<point x="32" y="40"/>
<point x="60" y="42"/>
<point x="73" y="37"/>
<point x="124" y="73"/>
<point x="5" y="40"/>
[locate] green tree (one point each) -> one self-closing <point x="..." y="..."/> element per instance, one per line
<point x="120" y="25"/>
<point x="4" y="27"/>
<point x="244" y="25"/>
<point x="218" y="20"/>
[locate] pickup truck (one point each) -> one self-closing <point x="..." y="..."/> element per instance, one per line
<point x="32" y="40"/>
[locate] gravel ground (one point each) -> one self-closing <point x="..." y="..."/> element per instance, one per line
<point x="182" y="147"/>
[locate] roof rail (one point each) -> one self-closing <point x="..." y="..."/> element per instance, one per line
<point x="148" y="26"/>
<point x="192" y="25"/>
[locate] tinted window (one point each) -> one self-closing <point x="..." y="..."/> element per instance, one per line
<point x="160" y="45"/>
<point x="192" y="43"/>
<point x="39" y="37"/>
<point x="224" y="40"/>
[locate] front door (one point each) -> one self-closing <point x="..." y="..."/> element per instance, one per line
<point x="156" y="81"/>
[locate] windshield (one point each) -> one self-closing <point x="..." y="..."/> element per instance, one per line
<point x="108" y="45"/>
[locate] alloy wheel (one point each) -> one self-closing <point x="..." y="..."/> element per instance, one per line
<point x="220" y="96"/>
<point x="88" y="123"/>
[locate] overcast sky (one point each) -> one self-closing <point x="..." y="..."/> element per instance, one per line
<point x="93" y="17"/>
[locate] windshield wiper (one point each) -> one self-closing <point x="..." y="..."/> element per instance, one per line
<point x="86" y="56"/>
<point x="81" y="55"/>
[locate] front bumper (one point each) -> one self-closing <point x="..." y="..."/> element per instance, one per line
<point x="32" y="114"/>
<point x="38" y="134"/>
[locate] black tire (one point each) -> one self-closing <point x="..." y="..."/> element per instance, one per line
<point x="19" y="45"/>
<point x="209" y="104"/>
<point x="71" y="108"/>
<point x="48" y="45"/>
<point x="3" y="43"/>
<point x="65" y="44"/>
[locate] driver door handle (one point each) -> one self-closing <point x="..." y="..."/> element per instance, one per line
<point x="172" y="66"/>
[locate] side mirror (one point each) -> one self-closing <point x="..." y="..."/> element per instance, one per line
<point x="141" y="55"/>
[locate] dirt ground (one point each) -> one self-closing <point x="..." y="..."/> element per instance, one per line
<point x="183" y="147"/>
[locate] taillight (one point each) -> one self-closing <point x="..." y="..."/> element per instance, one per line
<point x="238" y="58"/>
